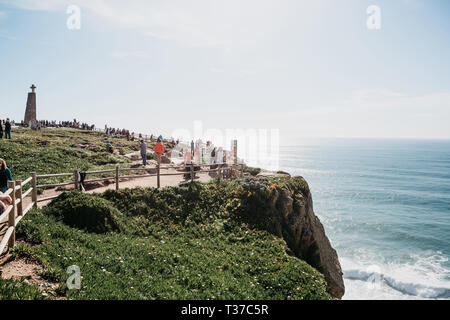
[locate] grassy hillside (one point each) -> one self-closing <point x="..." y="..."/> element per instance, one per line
<point x="62" y="151"/>
<point x="192" y="242"/>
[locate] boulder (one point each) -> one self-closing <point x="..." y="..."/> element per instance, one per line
<point x="136" y="156"/>
<point x="165" y="159"/>
<point x="273" y="174"/>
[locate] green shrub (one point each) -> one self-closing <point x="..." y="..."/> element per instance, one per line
<point x="253" y="171"/>
<point x="29" y="231"/>
<point x="85" y="211"/>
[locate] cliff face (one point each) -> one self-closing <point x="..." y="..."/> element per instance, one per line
<point x="305" y="235"/>
<point x="290" y="214"/>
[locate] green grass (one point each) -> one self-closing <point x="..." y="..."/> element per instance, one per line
<point x="60" y="151"/>
<point x="19" y="290"/>
<point x="193" y="242"/>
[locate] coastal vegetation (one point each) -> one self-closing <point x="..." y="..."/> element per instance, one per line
<point x="191" y="242"/>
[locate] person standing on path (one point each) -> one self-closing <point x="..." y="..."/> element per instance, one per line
<point x="1" y="129"/>
<point x="187" y="164"/>
<point x="213" y="155"/>
<point x="192" y="147"/>
<point x="143" y="148"/>
<point x="7" y="129"/>
<point x="159" y="150"/>
<point x="5" y="176"/>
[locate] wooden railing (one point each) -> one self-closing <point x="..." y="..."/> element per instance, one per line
<point x="232" y="170"/>
<point x="16" y="211"/>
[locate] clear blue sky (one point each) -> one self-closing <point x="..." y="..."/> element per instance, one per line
<point x="308" y="68"/>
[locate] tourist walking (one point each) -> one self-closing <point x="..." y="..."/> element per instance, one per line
<point x="5" y="176"/>
<point x="7" y="129"/>
<point x="192" y="147"/>
<point x="143" y="148"/>
<point x="1" y="129"/>
<point x="159" y="150"/>
<point x="213" y="155"/>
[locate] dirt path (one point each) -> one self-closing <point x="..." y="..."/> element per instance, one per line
<point x="145" y="182"/>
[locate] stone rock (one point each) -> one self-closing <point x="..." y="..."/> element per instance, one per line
<point x="135" y="156"/>
<point x="165" y="159"/>
<point x="150" y="171"/>
<point x="93" y="185"/>
<point x="273" y="174"/>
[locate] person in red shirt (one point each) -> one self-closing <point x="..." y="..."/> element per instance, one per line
<point x="159" y="150"/>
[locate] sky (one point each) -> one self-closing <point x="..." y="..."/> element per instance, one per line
<point x="304" y="68"/>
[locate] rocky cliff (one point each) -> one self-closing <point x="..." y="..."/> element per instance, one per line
<point x="288" y="207"/>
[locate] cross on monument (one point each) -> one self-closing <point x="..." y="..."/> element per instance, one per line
<point x="32" y="88"/>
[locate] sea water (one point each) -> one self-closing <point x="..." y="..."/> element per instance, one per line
<point x="385" y="205"/>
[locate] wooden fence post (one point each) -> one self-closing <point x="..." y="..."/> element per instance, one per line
<point x="219" y="171"/>
<point x="158" y="183"/>
<point x="34" y="192"/>
<point x="242" y="169"/>
<point x="75" y="178"/>
<point x="117" y="178"/>
<point x="192" y="172"/>
<point x="12" y="216"/>
<point x="20" y="206"/>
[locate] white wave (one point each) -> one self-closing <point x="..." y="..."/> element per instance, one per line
<point x="424" y="278"/>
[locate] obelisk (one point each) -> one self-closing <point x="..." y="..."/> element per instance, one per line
<point x="30" y="112"/>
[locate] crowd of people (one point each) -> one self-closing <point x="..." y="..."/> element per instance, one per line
<point x="119" y="133"/>
<point x="125" y="133"/>
<point x="60" y="124"/>
<point x="193" y="157"/>
<point x="207" y="154"/>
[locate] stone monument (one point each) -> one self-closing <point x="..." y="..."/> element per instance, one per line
<point x="30" y="112"/>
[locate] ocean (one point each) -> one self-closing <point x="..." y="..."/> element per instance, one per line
<point x="385" y="205"/>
